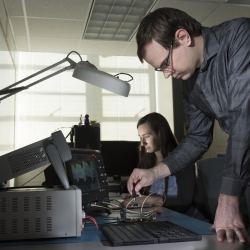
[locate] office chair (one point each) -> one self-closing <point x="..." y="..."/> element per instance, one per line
<point x="208" y="181"/>
<point x="209" y="173"/>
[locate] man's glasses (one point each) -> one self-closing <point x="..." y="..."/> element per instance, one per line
<point x="167" y="62"/>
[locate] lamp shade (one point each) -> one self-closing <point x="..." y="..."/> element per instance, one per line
<point x="87" y="72"/>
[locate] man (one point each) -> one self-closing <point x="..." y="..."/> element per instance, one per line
<point x="214" y="65"/>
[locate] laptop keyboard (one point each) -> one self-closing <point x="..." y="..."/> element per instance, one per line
<point x="139" y="233"/>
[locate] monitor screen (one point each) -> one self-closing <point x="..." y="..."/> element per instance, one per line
<point x="120" y="157"/>
<point x="86" y="171"/>
<point x="83" y="170"/>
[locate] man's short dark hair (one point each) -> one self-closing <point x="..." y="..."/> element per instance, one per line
<point x="161" y="25"/>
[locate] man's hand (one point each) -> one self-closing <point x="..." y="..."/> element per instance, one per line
<point x="228" y="221"/>
<point x="146" y="177"/>
<point x="142" y="178"/>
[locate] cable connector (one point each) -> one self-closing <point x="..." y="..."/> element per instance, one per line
<point x="83" y="217"/>
<point x="83" y="214"/>
<point x="123" y="215"/>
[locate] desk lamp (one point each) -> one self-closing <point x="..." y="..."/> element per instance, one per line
<point x="84" y="71"/>
<point x="54" y="149"/>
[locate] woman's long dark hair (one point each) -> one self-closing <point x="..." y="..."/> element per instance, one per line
<point x="168" y="142"/>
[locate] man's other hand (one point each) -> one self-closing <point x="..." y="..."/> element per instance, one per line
<point x="228" y="221"/>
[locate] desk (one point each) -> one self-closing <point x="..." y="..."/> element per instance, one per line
<point x="208" y="242"/>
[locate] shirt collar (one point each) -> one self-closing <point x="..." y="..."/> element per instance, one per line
<point x="211" y="47"/>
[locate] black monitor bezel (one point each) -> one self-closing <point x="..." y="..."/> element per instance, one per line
<point x="97" y="195"/>
<point x="120" y="157"/>
<point x="77" y="153"/>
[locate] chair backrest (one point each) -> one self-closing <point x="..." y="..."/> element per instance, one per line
<point x="209" y="173"/>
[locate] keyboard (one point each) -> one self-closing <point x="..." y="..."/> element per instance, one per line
<point x="140" y="233"/>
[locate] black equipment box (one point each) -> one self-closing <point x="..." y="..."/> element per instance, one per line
<point x="87" y="137"/>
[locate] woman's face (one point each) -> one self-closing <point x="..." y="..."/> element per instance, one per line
<point x="149" y="139"/>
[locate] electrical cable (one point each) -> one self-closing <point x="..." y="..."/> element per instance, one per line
<point x="32" y="178"/>
<point x="93" y="205"/>
<point x="91" y="219"/>
<point x="124" y="74"/>
<point x="68" y="134"/>
<point x="148" y="214"/>
<point x="60" y="128"/>
<point x="156" y="207"/>
<point x="74" y="52"/>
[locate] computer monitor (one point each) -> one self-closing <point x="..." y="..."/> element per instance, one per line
<point x="120" y="158"/>
<point x="86" y="171"/>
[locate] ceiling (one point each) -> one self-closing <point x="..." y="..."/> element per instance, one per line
<point x="61" y="26"/>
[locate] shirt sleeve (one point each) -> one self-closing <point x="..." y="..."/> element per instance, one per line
<point x="197" y="141"/>
<point x="237" y="164"/>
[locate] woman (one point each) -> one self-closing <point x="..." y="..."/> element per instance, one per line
<point x="157" y="142"/>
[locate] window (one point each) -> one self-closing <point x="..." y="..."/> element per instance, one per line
<point x="59" y="101"/>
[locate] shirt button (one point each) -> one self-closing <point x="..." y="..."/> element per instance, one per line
<point x="218" y="111"/>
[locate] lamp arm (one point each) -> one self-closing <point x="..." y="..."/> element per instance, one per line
<point x="12" y="93"/>
<point x="83" y="71"/>
<point x="48" y="76"/>
<point x="16" y="90"/>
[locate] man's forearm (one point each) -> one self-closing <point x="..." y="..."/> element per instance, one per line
<point x="161" y="170"/>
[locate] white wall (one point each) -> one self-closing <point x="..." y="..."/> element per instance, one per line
<point x="165" y="97"/>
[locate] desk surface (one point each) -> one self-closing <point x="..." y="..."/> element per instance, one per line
<point x="208" y="242"/>
<point x="93" y="239"/>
